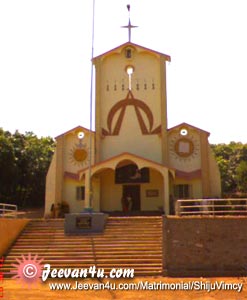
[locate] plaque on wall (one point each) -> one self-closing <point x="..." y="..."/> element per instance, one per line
<point x="131" y="174"/>
<point x="84" y="222"/>
<point x="152" y="193"/>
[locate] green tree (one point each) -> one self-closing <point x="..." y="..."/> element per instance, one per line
<point x="7" y="168"/>
<point x="231" y="159"/>
<point x="24" y="161"/>
<point x="241" y="176"/>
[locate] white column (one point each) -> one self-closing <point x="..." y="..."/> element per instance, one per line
<point x="87" y="191"/>
<point x="166" y="191"/>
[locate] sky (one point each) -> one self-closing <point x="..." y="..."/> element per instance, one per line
<point x="45" y="60"/>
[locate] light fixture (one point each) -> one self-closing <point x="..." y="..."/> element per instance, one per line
<point x="129" y="70"/>
<point x="80" y="135"/>
<point x="183" y="131"/>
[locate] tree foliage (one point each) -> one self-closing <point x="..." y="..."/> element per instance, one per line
<point x="24" y="162"/>
<point x="232" y="161"/>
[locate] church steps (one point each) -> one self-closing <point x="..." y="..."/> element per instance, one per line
<point x="90" y="256"/>
<point x="103" y="258"/>
<point x="103" y="241"/>
<point x="113" y="233"/>
<point x="92" y="260"/>
<point x="105" y="251"/>
<point x="88" y="247"/>
<point x="67" y="245"/>
<point x="150" y="230"/>
<point x="99" y="240"/>
<point x="95" y="238"/>
<point x="127" y="242"/>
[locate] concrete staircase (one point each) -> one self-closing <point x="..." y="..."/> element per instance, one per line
<point x="127" y="242"/>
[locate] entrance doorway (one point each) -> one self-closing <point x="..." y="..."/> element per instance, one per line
<point x="133" y="191"/>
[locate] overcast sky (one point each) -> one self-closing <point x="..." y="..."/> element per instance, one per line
<point x="45" y="53"/>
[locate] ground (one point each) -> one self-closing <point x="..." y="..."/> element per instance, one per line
<point x="15" y="291"/>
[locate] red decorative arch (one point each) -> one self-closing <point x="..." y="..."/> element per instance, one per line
<point x="138" y="105"/>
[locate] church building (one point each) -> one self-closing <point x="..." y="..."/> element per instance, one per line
<point x="132" y="154"/>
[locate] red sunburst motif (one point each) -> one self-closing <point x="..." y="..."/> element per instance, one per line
<point x="28" y="270"/>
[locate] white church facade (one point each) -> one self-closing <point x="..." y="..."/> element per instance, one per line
<point x="132" y="152"/>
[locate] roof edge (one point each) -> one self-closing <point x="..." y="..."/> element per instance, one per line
<point x="73" y="129"/>
<point x="167" y="57"/>
<point x="189" y="125"/>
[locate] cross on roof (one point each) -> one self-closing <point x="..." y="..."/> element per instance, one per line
<point x="129" y="26"/>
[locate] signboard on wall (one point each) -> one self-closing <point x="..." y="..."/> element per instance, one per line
<point x="84" y="222"/>
<point x="152" y="193"/>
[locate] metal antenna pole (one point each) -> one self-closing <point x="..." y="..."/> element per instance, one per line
<point x="91" y="113"/>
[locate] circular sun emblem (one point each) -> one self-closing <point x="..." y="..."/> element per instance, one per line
<point x="28" y="270"/>
<point x="80" y="155"/>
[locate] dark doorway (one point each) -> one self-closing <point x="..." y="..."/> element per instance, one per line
<point x="133" y="191"/>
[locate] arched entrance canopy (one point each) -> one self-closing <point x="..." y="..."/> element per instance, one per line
<point x="141" y="162"/>
<point x="116" y="161"/>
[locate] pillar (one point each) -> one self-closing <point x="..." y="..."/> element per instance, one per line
<point x="166" y="191"/>
<point x="87" y="190"/>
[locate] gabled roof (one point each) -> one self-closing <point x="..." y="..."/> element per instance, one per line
<point x="188" y="125"/>
<point x="119" y="48"/>
<point x="73" y="130"/>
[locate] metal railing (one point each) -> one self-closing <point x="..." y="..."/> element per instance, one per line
<point x="230" y="206"/>
<point x="8" y="210"/>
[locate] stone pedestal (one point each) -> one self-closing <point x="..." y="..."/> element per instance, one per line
<point x="85" y="222"/>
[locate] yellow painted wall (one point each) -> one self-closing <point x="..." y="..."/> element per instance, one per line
<point x="71" y="143"/>
<point x="156" y="183"/>
<point x="146" y="70"/>
<point x="50" y="188"/>
<point x="59" y="188"/>
<point x="132" y="143"/>
<point x="209" y="184"/>
<point x="205" y="166"/>
<point x="69" y="195"/>
<point x="185" y="164"/>
<point x="196" y="186"/>
<point x="111" y="71"/>
<point x="215" y="180"/>
<point x="96" y="193"/>
<point x="111" y="193"/>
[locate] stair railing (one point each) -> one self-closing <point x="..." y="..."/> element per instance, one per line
<point x="8" y="210"/>
<point x="229" y="206"/>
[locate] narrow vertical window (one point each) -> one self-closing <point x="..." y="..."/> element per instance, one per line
<point x="183" y="191"/>
<point x="128" y="53"/>
<point x="80" y="193"/>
